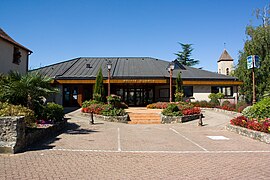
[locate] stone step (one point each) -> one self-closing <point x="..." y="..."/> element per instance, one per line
<point x="144" y="118"/>
<point x="144" y="122"/>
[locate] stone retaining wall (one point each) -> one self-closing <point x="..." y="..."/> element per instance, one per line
<point x="12" y="134"/>
<point x="120" y="119"/>
<point x="15" y="137"/>
<point x="261" y="136"/>
<point x="178" y="119"/>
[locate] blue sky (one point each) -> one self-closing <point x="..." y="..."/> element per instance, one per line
<point x="58" y="30"/>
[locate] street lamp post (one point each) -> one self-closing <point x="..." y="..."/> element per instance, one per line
<point x="170" y="69"/>
<point x="109" y="66"/>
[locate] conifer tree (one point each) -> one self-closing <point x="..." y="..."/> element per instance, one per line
<point x="99" y="87"/>
<point x="184" y="56"/>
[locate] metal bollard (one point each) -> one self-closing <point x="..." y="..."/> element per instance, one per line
<point x="91" y="117"/>
<point x="200" y="123"/>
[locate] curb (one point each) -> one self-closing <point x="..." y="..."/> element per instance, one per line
<point x="261" y="136"/>
<point x="224" y="111"/>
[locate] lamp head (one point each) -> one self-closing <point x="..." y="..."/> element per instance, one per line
<point x="109" y="65"/>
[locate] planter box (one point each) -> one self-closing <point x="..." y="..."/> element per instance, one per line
<point x="15" y="136"/>
<point x="178" y="119"/>
<point x="120" y="119"/>
<point x="261" y="136"/>
<point x="33" y="135"/>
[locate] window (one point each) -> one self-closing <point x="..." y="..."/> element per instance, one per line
<point x="16" y="56"/>
<point x="188" y="91"/>
<point x="164" y="93"/>
<point x="219" y="71"/>
<point x="226" y="90"/>
<point x="227" y="71"/>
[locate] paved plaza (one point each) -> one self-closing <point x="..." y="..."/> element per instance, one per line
<point x="126" y="151"/>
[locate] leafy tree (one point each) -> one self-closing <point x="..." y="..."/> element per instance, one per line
<point x="257" y="43"/>
<point x="27" y="90"/>
<point x="99" y="87"/>
<point x="184" y="56"/>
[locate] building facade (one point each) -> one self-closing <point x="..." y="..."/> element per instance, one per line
<point x="138" y="80"/>
<point x="13" y="56"/>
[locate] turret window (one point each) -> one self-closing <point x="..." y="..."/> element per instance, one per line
<point x="227" y="71"/>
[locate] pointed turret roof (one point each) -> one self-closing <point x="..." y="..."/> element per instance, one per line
<point x="6" y="37"/>
<point x="225" y="56"/>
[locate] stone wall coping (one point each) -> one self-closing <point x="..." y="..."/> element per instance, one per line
<point x="222" y="110"/>
<point x="178" y="119"/>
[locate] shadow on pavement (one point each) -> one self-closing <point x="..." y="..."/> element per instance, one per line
<point x="70" y="109"/>
<point x="46" y="143"/>
<point x="73" y="128"/>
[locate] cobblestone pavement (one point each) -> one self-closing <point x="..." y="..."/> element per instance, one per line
<point x="123" y="151"/>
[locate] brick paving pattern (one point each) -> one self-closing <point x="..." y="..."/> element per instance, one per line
<point x="126" y="151"/>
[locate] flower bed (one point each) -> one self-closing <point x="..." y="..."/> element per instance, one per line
<point x="253" y="124"/>
<point x="179" y="113"/>
<point x="226" y="105"/>
<point x="113" y="111"/>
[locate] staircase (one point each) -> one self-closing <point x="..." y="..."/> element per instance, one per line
<point x="144" y="116"/>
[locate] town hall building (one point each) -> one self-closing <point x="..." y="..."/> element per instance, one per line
<point x="138" y="80"/>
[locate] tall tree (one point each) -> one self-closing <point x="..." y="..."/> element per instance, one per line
<point x="257" y="43"/>
<point x="179" y="88"/>
<point x="184" y="56"/>
<point x="179" y="83"/>
<point x="99" y="87"/>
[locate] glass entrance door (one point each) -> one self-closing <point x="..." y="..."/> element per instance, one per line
<point x="70" y="96"/>
<point x="136" y="96"/>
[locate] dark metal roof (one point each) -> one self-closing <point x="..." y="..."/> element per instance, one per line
<point x="125" y="67"/>
<point x="6" y="37"/>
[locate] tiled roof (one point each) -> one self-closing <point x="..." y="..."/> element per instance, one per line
<point x="124" y="67"/>
<point x="6" y="37"/>
<point x="225" y="56"/>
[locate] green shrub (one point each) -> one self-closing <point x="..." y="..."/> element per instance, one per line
<point x="214" y="99"/>
<point x="115" y="101"/>
<point x="260" y="110"/>
<point x="86" y="104"/>
<point x="18" y="110"/>
<point x="226" y="103"/>
<point x="240" y="106"/>
<point x="178" y="96"/>
<point x="97" y="97"/>
<point x="54" y="112"/>
<point x="113" y="112"/>
<point x="172" y="110"/>
<point x="184" y="105"/>
<point x="202" y="104"/>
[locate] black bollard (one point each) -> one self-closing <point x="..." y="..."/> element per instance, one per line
<point x="92" y="117"/>
<point x="200" y="123"/>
